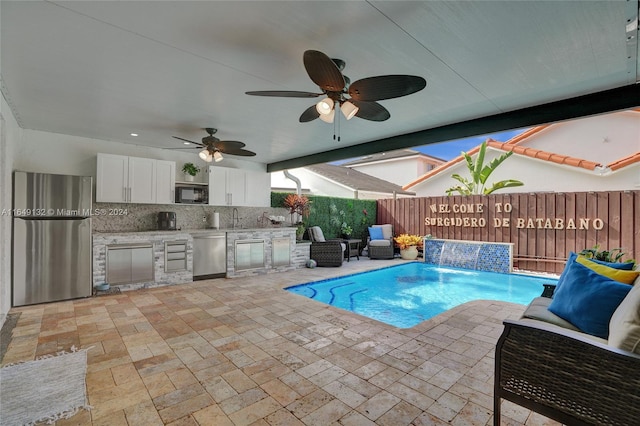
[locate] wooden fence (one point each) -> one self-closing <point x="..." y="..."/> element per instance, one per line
<point x="543" y="227"/>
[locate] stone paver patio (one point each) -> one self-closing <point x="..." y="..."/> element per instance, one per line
<point x="243" y="351"/>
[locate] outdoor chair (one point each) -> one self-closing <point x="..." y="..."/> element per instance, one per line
<point x="325" y="252"/>
<point x="380" y="243"/>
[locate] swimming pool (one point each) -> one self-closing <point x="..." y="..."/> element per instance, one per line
<point x="407" y="294"/>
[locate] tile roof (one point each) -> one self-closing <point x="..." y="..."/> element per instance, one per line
<point x="624" y="162"/>
<point x="357" y="180"/>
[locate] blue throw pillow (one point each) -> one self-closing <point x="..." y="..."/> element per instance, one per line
<point x="626" y="266"/>
<point x="375" y="233"/>
<point x="587" y="299"/>
<point x="570" y="261"/>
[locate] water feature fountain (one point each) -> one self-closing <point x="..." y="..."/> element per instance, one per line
<point x="479" y="255"/>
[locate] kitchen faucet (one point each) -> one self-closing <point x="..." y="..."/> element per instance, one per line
<point x="235" y="218"/>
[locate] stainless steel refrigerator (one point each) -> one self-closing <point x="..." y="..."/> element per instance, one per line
<point x="52" y="250"/>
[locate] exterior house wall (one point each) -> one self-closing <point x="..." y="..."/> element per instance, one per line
<point x="400" y="171"/>
<point x="321" y="186"/>
<point x="537" y="176"/>
<point x="602" y="138"/>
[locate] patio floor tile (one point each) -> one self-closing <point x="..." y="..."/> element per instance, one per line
<point x="243" y="351"/>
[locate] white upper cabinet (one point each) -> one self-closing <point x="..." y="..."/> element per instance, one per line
<point x="236" y="187"/>
<point x="142" y="180"/>
<point x="112" y="179"/>
<point x="258" y="189"/>
<point x="122" y="179"/>
<point x="165" y="182"/>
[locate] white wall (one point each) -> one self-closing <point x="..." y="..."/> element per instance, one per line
<point x="601" y="139"/>
<point x="537" y="176"/>
<point x="63" y="154"/>
<point x="399" y="171"/>
<point x="10" y="134"/>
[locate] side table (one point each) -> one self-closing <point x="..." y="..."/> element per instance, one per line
<point x="352" y="249"/>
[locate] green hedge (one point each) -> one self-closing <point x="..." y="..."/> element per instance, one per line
<point x="346" y="210"/>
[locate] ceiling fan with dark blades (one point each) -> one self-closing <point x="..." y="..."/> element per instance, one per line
<point x="358" y="99"/>
<point x="212" y="148"/>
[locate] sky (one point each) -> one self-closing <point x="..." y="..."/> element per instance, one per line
<point x="451" y="149"/>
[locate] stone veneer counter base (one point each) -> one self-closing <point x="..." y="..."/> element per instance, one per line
<point x="157" y="239"/>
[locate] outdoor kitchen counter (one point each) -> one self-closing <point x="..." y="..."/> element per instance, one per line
<point x="183" y="232"/>
<point x="103" y="242"/>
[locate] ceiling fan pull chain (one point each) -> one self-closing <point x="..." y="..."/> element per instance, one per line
<point x="338" y="120"/>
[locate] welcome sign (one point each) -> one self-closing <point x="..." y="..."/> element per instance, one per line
<point x="472" y="215"/>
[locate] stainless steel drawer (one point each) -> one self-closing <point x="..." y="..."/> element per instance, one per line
<point x="175" y="256"/>
<point x="176" y="247"/>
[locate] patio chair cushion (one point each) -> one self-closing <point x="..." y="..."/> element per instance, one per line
<point x="375" y="233"/>
<point x="588" y="300"/>
<point x="624" y="327"/>
<point x="380" y="243"/>
<point x="538" y="310"/>
<point x="387" y="230"/>
<point x="316" y="234"/>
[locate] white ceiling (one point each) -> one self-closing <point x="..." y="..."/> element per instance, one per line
<point x="105" y="69"/>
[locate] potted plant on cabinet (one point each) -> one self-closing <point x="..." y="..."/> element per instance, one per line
<point x="190" y="170"/>
<point x="408" y="245"/>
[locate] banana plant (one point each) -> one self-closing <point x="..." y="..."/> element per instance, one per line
<point x="480" y="173"/>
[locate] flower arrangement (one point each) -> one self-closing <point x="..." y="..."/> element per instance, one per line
<point x="407" y="240"/>
<point x="297" y="204"/>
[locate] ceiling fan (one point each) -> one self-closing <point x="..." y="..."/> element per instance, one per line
<point x="214" y="147"/>
<point x="356" y="99"/>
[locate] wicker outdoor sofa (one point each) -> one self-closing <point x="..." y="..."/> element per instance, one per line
<point x="547" y="365"/>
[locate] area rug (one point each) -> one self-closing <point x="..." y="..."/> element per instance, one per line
<point x="45" y="390"/>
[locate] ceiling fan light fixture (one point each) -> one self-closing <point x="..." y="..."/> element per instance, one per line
<point x="325" y="106"/>
<point x="205" y="155"/>
<point x="349" y="110"/>
<point x="328" y="118"/>
<point x="217" y="156"/>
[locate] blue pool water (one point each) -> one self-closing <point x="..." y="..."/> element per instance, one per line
<point x="408" y="294"/>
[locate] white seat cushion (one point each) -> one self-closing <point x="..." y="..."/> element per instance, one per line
<point x="624" y="326"/>
<point x="317" y="234"/>
<point x="380" y="243"/>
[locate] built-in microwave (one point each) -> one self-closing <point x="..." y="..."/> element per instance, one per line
<point x="192" y="194"/>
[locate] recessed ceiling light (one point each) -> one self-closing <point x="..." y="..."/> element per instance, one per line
<point x="186" y="143"/>
<point x="134" y="134"/>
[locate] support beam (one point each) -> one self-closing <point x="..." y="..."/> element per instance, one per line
<point x="620" y="98"/>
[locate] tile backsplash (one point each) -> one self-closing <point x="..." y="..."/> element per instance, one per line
<point x="118" y="217"/>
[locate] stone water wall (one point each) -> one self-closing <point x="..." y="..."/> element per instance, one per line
<point x="481" y="256"/>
